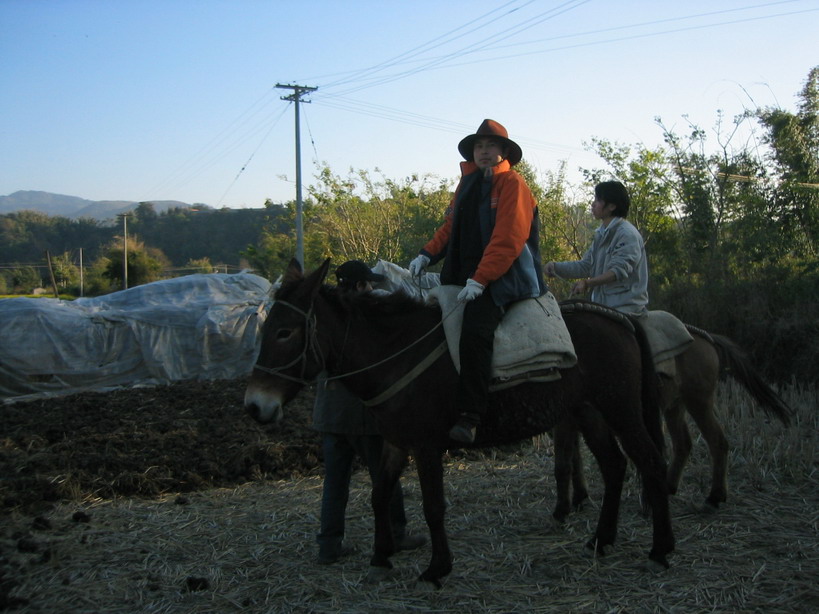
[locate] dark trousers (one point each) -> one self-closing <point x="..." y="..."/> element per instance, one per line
<point x="340" y="451"/>
<point x="481" y="319"/>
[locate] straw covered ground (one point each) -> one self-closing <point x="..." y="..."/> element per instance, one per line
<point x="170" y="500"/>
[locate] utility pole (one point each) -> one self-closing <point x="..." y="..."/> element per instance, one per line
<point x="298" y="92"/>
<point x="124" y="217"/>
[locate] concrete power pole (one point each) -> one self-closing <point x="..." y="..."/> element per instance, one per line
<point x="124" y="217"/>
<point x="298" y="92"/>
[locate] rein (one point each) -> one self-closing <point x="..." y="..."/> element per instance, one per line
<point x="311" y="343"/>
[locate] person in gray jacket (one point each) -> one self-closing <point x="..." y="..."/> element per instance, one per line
<point x="348" y="431"/>
<point x="615" y="267"/>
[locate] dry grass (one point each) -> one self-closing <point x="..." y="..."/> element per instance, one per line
<point x="253" y="548"/>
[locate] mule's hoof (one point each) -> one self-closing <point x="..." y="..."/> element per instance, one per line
<point x="427" y="586"/>
<point x="710" y="506"/>
<point x="706" y="507"/>
<point x="430" y="580"/>
<point x="657" y="563"/>
<point x="376" y="575"/>
<point x="599" y="549"/>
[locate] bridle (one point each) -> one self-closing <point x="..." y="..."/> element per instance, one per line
<point x="311" y="345"/>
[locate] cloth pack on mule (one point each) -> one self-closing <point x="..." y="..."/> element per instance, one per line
<point x="531" y="342"/>
<point x="668" y="337"/>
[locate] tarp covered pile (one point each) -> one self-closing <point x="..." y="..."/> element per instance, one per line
<point x="193" y="327"/>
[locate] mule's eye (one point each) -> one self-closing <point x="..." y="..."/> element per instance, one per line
<point x="283" y="334"/>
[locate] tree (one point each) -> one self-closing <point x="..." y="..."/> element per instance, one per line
<point x="714" y="190"/>
<point x="270" y="257"/>
<point x="794" y="142"/>
<point x="145" y="216"/>
<point x="359" y="217"/>
<point x="145" y="264"/>
<point x="200" y="265"/>
<point x="66" y="273"/>
<point x="24" y="279"/>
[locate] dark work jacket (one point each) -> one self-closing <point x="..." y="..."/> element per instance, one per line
<point x="523" y="279"/>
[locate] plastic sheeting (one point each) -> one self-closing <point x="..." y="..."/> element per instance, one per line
<point x="196" y="327"/>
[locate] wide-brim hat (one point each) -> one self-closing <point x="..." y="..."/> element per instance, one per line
<point x="354" y="271"/>
<point x="491" y="128"/>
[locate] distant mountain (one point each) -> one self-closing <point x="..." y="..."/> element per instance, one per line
<point x="74" y="207"/>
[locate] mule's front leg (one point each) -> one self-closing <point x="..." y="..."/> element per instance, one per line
<point x="431" y="476"/>
<point x="393" y="461"/>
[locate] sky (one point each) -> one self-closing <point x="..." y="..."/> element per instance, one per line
<point x="178" y="100"/>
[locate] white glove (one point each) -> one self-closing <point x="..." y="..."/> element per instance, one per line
<point x="417" y="266"/>
<point x="471" y="291"/>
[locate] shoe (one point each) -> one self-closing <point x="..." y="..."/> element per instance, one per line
<point x="328" y="558"/>
<point x="410" y="542"/>
<point x="464" y="429"/>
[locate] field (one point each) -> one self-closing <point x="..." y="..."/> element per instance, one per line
<point x="171" y="500"/>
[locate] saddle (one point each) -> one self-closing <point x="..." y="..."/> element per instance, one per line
<point x="531" y="343"/>
<point x="668" y="338"/>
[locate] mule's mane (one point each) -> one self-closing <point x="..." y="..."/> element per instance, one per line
<point x="369" y="304"/>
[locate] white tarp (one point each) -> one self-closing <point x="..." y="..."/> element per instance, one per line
<point x="194" y="327"/>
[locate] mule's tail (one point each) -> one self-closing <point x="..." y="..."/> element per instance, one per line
<point x="652" y="415"/>
<point x="734" y="362"/>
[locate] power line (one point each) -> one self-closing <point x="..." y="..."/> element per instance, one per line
<point x="220" y="145"/>
<point x="431" y="44"/>
<point x="417" y="60"/>
<point x="445" y="61"/>
<point x="526" y="24"/>
<point x="245" y="165"/>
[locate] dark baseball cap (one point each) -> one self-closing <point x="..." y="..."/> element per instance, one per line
<point x="354" y="271"/>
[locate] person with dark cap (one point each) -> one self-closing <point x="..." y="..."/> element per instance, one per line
<point x="489" y="243"/>
<point x="357" y="276"/>
<point x="348" y="430"/>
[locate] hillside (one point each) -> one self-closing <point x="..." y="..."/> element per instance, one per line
<point x="74" y="207"/>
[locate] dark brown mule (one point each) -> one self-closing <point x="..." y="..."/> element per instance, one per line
<point x="372" y="342"/>
<point x="709" y="359"/>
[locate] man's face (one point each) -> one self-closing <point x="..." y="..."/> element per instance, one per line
<point x="600" y="209"/>
<point x="487" y="152"/>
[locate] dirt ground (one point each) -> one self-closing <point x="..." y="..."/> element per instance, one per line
<point x="171" y="500"/>
<point x="144" y="442"/>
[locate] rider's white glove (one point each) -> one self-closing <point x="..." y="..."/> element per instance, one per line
<point x="417" y="266"/>
<point x="471" y="291"/>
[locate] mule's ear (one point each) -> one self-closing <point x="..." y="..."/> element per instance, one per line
<point x="316" y="278"/>
<point x="313" y="281"/>
<point x="293" y="272"/>
<point x="324" y="268"/>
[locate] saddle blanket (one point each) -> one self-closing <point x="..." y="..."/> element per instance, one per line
<point x="531" y="342"/>
<point x="667" y="337"/>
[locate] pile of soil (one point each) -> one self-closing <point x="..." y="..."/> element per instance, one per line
<point x="145" y="442"/>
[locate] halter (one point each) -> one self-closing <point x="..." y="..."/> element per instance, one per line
<point x="310" y="345"/>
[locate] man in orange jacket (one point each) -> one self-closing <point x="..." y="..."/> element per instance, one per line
<point x="490" y="245"/>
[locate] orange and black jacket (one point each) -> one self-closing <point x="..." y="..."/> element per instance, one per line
<point x="510" y="262"/>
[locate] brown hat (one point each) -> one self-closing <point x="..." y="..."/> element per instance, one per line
<point x="493" y="129"/>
